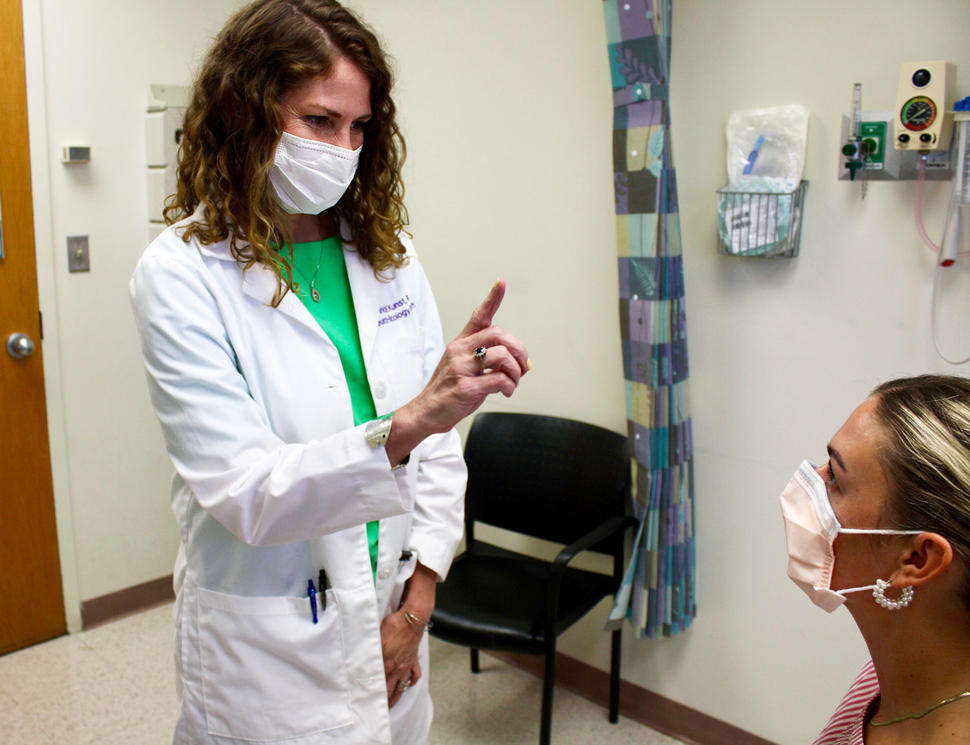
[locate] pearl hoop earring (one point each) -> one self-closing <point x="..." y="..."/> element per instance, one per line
<point x="879" y="594"/>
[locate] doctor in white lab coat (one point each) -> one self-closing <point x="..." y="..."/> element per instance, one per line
<point x="290" y="626"/>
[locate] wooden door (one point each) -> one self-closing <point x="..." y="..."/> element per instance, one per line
<point x="31" y="599"/>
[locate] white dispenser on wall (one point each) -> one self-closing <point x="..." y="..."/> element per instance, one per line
<point x="163" y="131"/>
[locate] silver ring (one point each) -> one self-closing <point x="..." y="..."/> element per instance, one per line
<point x="480" y="353"/>
<point x="402" y="686"/>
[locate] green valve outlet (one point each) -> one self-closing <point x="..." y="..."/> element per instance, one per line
<point x="874" y="136"/>
<point x="867" y="150"/>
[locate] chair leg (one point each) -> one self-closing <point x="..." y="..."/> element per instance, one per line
<point x="475" y="667"/>
<point x="615" y="677"/>
<point x="548" y="684"/>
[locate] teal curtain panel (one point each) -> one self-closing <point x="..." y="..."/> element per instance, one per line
<point x="658" y="593"/>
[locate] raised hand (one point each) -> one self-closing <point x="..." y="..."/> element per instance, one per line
<point x="463" y="379"/>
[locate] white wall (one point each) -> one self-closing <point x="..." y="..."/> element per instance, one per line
<point x="89" y="64"/>
<point x="782" y="351"/>
<point x="507" y="111"/>
<point x="508" y="120"/>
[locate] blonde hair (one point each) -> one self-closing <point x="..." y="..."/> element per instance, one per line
<point x="233" y="122"/>
<point x="927" y="456"/>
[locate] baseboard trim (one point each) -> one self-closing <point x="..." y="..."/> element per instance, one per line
<point x="656" y="711"/>
<point x="114" y="605"/>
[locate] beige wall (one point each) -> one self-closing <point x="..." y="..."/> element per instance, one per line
<point x="782" y="351"/>
<point x="507" y="111"/>
<point x="89" y="64"/>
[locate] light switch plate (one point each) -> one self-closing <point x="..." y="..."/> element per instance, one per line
<point x="78" y="259"/>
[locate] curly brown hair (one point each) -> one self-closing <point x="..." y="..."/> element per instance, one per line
<point x="233" y="124"/>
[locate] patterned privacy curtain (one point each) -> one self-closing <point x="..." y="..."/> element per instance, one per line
<point x="657" y="594"/>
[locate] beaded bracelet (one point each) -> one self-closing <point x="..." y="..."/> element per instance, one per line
<point x="416" y="622"/>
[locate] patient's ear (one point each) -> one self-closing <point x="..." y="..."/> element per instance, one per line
<point x="926" y="557"/>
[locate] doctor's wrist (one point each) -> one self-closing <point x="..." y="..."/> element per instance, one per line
<point x="417" y="622"/>
<point x="419" y="593"/>
<point x="405" y="435"/>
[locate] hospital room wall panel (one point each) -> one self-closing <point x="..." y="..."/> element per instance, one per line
<point x="508" y="119"/>
<point x="89" y="64"/>
<point x="781" y="351"/>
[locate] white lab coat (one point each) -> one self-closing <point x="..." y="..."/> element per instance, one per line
<point x="273" y="483"/>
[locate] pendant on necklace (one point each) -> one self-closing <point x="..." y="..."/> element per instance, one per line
<point x="314" y="294"/>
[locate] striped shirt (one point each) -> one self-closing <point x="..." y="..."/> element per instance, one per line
<point x="848" y="723"/>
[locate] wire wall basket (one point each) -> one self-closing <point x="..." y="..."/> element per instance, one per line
<point x="759" y="224"/>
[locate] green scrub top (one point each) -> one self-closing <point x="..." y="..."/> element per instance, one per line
<point x="319" y="266"/>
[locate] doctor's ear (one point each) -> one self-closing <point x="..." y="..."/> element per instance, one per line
<point x="927" y="556"/>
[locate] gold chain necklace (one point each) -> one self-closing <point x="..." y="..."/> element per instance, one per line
<point x="934" y="707"/>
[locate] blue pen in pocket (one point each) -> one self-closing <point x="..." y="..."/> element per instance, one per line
<point x="311" y="593"/>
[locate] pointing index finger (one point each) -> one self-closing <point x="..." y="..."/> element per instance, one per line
<point x="484" y="313"/>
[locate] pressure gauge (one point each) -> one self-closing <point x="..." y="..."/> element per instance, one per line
<point x="918" y="113"/>
<point x="924" y="102"/>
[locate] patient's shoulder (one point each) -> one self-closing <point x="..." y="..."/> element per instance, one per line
<point x="847" y="724"/>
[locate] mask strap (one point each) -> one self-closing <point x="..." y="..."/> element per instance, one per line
<point x="854" y="589"/>
<point x="876" y="531"/>
<point x="871" y="531"/>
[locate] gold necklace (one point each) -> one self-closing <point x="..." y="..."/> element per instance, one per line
<point x="934" y="707"/>
<point x="314" y="293"/>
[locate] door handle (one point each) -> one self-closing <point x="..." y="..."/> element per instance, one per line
<point x="19" y="346"/>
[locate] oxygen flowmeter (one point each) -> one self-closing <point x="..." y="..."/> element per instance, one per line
<point x="910" y="142"/>
<point x="924" y="98"/>
<point x="930" y="133"/>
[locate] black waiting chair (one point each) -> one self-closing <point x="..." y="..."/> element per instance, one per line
<point x="556" y="479"/>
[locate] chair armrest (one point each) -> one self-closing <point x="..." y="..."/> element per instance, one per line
<point x="596" y="535"/>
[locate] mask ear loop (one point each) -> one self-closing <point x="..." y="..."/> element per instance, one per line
<point x="878" y="589"/>
<point x="879" y="594"/>
<point x="855" y="589"/>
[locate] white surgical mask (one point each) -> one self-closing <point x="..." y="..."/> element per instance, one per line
<point x="310" y="176"/>
<point x="810" y="529"/>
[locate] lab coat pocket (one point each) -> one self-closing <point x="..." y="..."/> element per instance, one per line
<point x="268" y="672"/>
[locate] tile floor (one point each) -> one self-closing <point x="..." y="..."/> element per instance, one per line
<point x="113" y="685"/>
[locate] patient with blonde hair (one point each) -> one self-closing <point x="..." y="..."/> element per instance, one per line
<point x="883" y="527"/>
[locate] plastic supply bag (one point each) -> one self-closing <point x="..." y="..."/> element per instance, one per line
<point x="758" y="212"/>
<point x="769" y="143"/>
